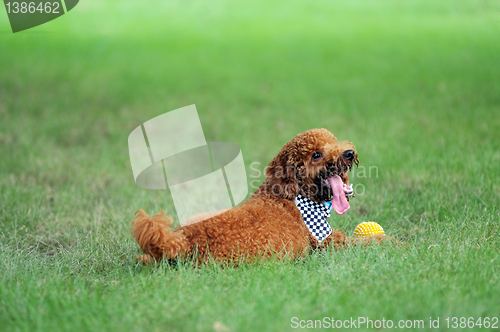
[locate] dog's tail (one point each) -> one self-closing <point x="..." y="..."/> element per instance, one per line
<point x="155" y="237"/>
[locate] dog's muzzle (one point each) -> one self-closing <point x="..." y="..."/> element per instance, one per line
<point x="349" y="155"/>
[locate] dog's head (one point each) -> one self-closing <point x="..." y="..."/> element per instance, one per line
<point x="314" y="164"/>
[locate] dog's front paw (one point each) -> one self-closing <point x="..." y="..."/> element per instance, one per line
<point x="145" y="259"/>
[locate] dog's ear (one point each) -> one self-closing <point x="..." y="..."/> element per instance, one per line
<point x="281" y="173"/>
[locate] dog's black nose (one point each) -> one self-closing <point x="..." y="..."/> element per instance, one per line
<point x="349" y="155"/>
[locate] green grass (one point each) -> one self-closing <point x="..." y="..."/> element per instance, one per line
<point x="415" y="85"/>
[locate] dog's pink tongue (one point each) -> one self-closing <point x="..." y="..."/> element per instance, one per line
<point x="339" y="201"/>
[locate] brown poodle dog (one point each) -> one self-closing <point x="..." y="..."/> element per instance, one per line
<point x="284" y="218"/>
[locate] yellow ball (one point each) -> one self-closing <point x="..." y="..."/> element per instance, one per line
<point x="367" y="229"/>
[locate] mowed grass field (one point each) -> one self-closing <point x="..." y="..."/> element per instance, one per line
<point x="414" y="84"/>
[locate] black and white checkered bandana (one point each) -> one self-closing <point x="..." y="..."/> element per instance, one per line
<point x="315" y="216"/>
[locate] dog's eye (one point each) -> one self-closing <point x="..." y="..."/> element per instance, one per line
<point x="317" y="155"/>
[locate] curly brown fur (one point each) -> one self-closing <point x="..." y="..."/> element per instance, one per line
<point x="201" y="216"/>
<point x="269" y="223"/>
<point x="155" y="237"/>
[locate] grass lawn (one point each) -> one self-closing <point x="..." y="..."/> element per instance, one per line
<point x="414" y="84"/>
